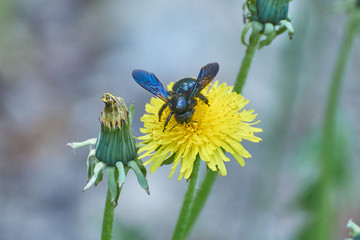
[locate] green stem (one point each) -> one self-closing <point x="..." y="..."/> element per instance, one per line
<point x="108" y="219"/>
<point x="246" y="62"/>
<point x="324" y="219"/>
<point x="192" y="206"/>
<point x="183" y="220"/>
<point x="337" y="78"/>
<point x="192" y="210"/>
<point x="200" y="199"/>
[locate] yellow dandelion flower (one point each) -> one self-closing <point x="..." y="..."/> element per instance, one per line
<point x="214" y="128"/>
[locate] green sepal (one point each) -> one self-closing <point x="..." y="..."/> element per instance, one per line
<point x="97" y="169"/>
<point x="251" y="6"/>
<point x="140" y="176"/>
<point x="139" y="145"/>
<point x="75" y="145"/>
<point x="131" y="113"/>
<point x="93" y="164"/>
<point x="141" y="166"/>
<point x="288" y="26"/>
<point x="169" y="160"/>
<point x="257" y="27"/>
<point x="116" y="176"/>
<point x="244" y="12"/>
<point x="244" y="32"/>
<point x="112" y="185"/>
<point x="268" y="28"/>
<point x="99" y="178"/>
<point x="102" y="143"/>
<point x="116" y="145"/>
<point x="280" y="30"/>
<point x="268" y="40"/>
<point x="122" y="175"/>
<point x="90" y="164"/>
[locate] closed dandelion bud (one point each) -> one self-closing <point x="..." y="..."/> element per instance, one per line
<point x="267" y="17"/>
<point x="116" y="141"/>
<point x="272" y="11"/>
<point x="115" y="149"/>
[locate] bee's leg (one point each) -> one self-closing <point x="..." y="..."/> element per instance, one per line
<point x="202" y="97"/>
<point x="167" y="120"/>
<point x="161" y="110"/>
<point x="188" y="123"/>
<point x="192" y="104"/>
<point x="173" y="127"/>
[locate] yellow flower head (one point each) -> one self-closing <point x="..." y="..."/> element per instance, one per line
<point x="213" y="129"/>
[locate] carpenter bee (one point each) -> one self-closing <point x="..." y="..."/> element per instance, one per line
<point x="181" y="100"/>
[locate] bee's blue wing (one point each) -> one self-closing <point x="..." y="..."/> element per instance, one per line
<point x="150" y="82"/>
<point x="206" y="75"/>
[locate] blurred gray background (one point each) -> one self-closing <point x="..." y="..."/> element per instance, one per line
<point x="58" y="57"/>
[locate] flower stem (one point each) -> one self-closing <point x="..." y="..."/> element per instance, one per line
<point x="194" y="203"/>
<point x="246" y="62"/>
<point x="200" y="199"/>
<point x="325" y="219"/>
<point x="183" y="220"/>
<point x="108" y="220"/>
<point x="338" y="76"/>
